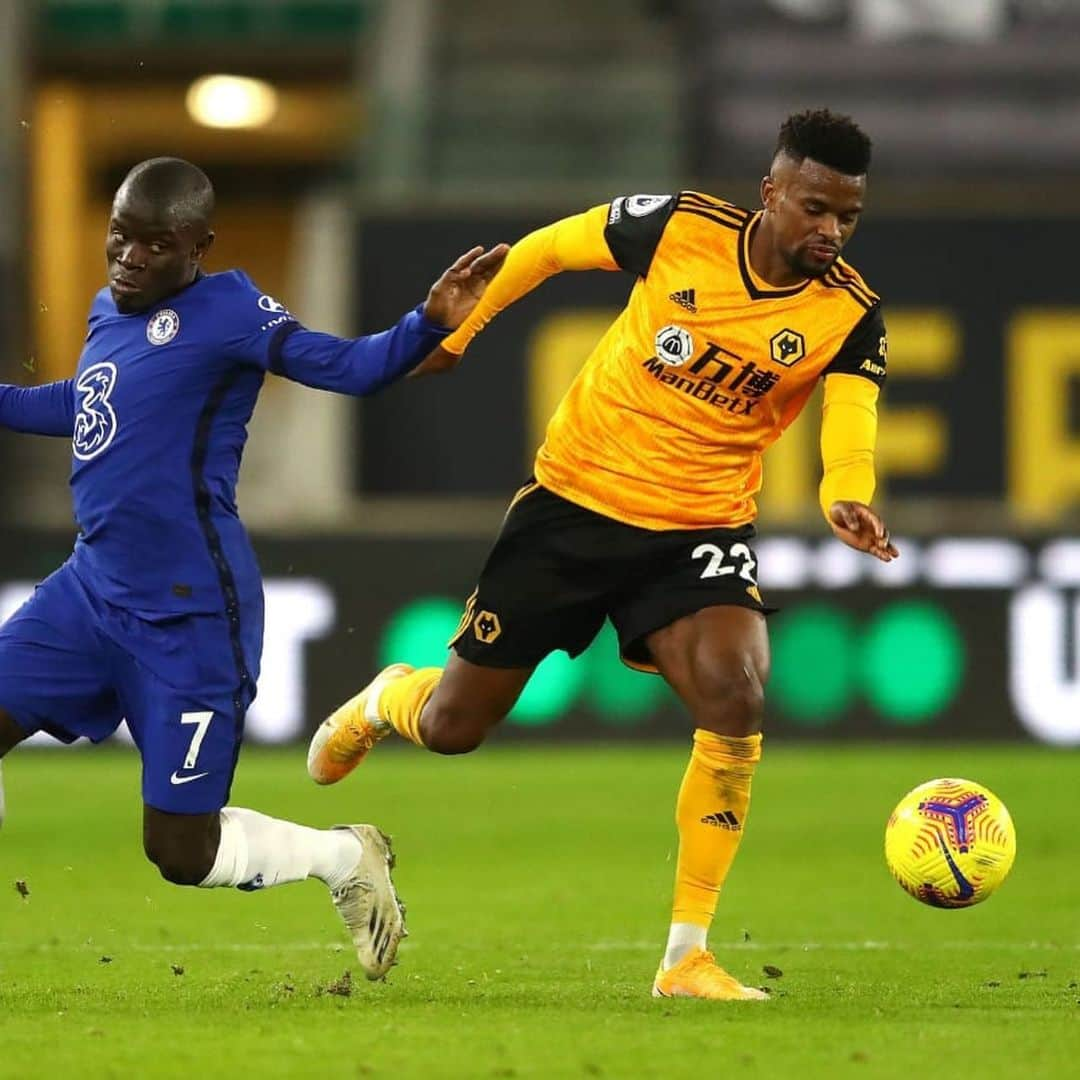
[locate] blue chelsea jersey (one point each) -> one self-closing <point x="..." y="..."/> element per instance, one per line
<point x="158" y="412"/>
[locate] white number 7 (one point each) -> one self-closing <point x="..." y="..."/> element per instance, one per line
<point x="201" y="720"/>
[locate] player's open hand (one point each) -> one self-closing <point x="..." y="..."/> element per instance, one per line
<point x="859" y="527"/>
<point x="456" y="293"/>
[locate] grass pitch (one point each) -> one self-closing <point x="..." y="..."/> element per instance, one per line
<point x="538" y="883"/>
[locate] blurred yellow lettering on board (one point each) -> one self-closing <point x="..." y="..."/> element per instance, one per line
<point x="913" y="440"/>
<point x="1042" y="361"/>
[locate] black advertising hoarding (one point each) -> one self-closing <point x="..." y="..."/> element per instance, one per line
<point x="984" y="326"/>
<point x="962" y="637"/>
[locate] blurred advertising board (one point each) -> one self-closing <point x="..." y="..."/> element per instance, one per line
<point x="984" y="363"/>
<point x="961" y="637"/>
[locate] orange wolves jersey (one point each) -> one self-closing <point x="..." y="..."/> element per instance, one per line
<point x="665" y="425"/>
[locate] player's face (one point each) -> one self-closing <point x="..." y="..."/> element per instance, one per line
<point x="149" y="257"/>
<point x="814" y="212"/>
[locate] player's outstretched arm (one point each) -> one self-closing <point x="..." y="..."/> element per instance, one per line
<point x="574" y="243"/>
<point x="48" y="409"/>
<point x="360" y="366"/>
<point x="848" y="434"/>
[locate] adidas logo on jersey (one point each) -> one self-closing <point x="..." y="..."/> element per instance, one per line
<point x="685" y="298"/>
<point x="725" y="819"/>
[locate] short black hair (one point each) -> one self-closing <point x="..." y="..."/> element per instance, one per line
<point x="174" y="186"/>
<point x="825" y="137"/>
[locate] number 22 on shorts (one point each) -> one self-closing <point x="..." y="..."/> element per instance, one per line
<point x="718" y="564"/>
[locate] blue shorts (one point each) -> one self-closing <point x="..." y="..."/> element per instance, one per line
<point x="75" y="666"/>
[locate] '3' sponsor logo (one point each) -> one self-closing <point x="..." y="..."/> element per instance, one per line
<point x="95" y="420"/>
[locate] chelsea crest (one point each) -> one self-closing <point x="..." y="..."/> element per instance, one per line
<point x="163" y="327"/>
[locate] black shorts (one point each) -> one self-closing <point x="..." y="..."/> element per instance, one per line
<point x="558" y="570"/>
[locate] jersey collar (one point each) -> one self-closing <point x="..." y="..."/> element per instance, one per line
<point x="756" y="288"/>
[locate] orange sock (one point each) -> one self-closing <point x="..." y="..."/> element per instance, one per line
<point x="711" y="812"/>
<point x="402" y="701"/>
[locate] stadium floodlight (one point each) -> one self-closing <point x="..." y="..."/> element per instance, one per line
<point x="231" y="101"/>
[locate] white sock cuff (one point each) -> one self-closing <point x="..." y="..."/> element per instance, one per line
<point x="682" y="937"/>
<point x="230" y="864"/>
<point x="257" y="852"/>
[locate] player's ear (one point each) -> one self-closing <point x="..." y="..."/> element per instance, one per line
<point x="768" y="189"/>
<point x="202" y="247"/>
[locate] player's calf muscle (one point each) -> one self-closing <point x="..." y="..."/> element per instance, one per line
<point x="448" y="728"/>
<point x="468" y="702"/>
<point x="181" y="846"/>
<point x="179" y="866"/>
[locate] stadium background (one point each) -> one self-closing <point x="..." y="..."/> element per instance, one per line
<point x="397" y="134"/>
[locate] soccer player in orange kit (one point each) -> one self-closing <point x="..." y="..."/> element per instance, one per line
<point x="641" y="508"/>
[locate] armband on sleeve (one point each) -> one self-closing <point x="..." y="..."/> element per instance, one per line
<point x="634" y="227"/>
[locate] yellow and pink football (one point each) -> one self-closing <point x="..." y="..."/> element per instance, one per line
<point x="950" y="843"/>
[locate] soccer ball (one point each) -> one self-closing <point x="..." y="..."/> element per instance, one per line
<point x="950" y="843"/>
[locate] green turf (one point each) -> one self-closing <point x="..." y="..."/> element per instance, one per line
<point x="538" y="885"/>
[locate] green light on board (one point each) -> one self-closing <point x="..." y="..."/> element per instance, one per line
<point x="620" y="695"/>
<point x="417" y="633"/>
<point x="912" y="661"/>
<point x="813" y="673"/>
<point x="553" y="688"/>
<point x="907" y="661"/>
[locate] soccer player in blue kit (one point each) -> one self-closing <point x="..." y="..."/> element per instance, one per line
<point x="157" y="616"/>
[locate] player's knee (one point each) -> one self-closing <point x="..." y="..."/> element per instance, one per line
<point x="731" y="696"/>
<point x="180" y="865"/>
<point x="448" y="729"/>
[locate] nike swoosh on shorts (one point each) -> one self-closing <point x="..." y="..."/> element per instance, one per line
<point x="174" y="779"/>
